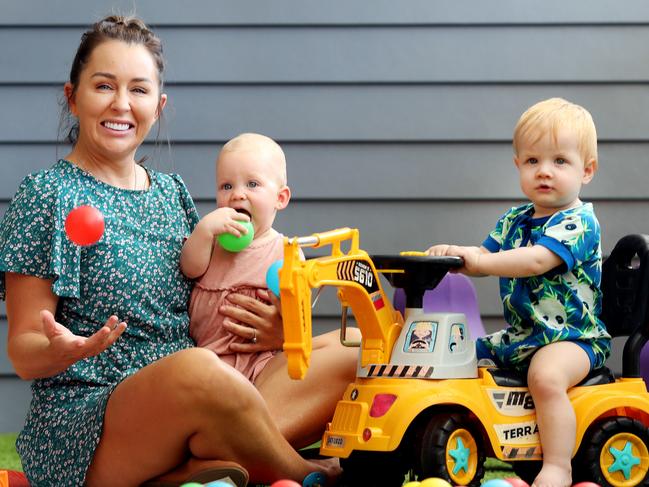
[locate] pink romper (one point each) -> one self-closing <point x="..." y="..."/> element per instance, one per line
<point x="243" y="272"/>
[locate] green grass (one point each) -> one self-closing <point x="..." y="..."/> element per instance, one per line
<point x="8" y="457"/>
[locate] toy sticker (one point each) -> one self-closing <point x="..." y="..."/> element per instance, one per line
<point x="457" y="338"/>
<point x="335" y="442"/>
<point x="377" y="300"/>
<point x="358" y="271"/>
<point x="512" y="401"/>
<point x="524" y="433"/>
<point x="420" y="337"/>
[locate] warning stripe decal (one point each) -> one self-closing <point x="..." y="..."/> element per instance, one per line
<point x="407" y="371"/>
<point x="530" y="453"/>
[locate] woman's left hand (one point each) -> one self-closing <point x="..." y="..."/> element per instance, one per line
<point x="259" y="323"/>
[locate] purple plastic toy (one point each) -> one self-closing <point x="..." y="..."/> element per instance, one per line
<point x="454" y="293"/>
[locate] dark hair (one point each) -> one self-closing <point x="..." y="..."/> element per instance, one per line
<point x="114" y="27"/>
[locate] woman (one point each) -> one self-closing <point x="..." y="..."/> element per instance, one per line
<point x="120" y="396"/>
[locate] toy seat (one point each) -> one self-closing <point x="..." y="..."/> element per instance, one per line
<point x="454" y="293"/>
<point x="625" y="305"/>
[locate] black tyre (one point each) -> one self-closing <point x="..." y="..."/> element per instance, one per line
<point x="527" y="470"/>
<point x="615" y="453"/>
<point x="373" y="469"/>
<point x="451" y="448"/>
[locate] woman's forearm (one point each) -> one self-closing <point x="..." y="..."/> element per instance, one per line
<point x="31" y="357"/>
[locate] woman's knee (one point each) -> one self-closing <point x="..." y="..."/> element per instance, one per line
<point x="204" y="382"/>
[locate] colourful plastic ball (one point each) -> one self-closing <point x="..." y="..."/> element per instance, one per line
<point x="218" y="483"/>
<point x="497" y="483"/>
<point x="412" y="484"/>
<point x="193" y="484"/>
<point x="272" y="276"/>
<point x="586" y="484"/>
<point x="232" y="243"/>
<point x="434" y="482"/>
<point x="516" y="482"/>
<point x="84" y="225"/>
<point x="285" y="483"/>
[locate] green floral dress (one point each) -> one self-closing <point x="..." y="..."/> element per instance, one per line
<point x="132" y="272"/>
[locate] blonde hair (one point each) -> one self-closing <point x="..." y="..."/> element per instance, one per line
<point x="553" y="114"/>
<point x="252" y="141"/>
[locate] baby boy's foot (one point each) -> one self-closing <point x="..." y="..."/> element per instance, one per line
<point x="553" y="476"/>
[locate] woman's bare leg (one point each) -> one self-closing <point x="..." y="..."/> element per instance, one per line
<point x="189" y="407"/>
<point x="301" y="408"/>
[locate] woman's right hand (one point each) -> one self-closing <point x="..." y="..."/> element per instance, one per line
<point x="69" y="348"/>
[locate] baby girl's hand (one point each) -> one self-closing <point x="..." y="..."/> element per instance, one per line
<point x="226" y="220"/>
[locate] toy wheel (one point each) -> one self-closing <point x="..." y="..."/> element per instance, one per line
<point x="373" y="469"/>
<point x="616" y="453"/>
<point x="449" y="448"/>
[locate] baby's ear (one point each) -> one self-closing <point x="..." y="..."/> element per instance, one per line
<point x="283" y="197"/>
<point x="590" y="168"/>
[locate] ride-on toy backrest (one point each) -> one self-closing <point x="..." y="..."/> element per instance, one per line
<point x="625" y="304"/>
<point x="455" y="293"/>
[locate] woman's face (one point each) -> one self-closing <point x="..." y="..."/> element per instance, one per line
<point x="117" y="100"/>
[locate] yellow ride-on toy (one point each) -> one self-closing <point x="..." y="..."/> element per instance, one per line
<point x="421" y="404"/>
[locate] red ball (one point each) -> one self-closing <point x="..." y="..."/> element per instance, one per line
<point x="586" y="484"/>
<point x="285" y="483"/>
<point x="516" y="482"/>
<point x="84" y="225"/>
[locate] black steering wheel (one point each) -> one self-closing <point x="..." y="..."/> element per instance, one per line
<point x="414" y="273"/>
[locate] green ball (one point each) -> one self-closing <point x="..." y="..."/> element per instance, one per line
<point x="236" y="244"/>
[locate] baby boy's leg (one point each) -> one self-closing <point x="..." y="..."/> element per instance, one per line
<point x="553" y="370"/>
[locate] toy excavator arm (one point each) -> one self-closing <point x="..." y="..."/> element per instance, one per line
<point x="356" y="278"/>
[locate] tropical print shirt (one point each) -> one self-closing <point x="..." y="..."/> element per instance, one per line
<point x="563" y="304"/>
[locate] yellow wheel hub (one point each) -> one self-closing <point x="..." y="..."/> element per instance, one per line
<point x="624" y="460"/>
<point x="461" y="457"/>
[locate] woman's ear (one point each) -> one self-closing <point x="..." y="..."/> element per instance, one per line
<point x="68" y="92"/>
<point x="283" y="197"/>
<point x="161" y="105"/>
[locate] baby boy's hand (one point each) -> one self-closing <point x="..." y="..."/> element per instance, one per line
<point x="439" y="250"/>
<point x="471" y="256"/>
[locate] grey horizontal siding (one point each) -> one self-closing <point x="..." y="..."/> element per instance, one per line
<point x="5" y="366"/>
<point x="410" y="54"/>
<point x="15" y="395"/>
<point x="349" y="113"/>
<point x="376" y="171"/>
<point x="315" y="12"/>
<point x="396" y="117"/>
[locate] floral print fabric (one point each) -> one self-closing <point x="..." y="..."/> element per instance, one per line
<point x="132" y="272"/>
